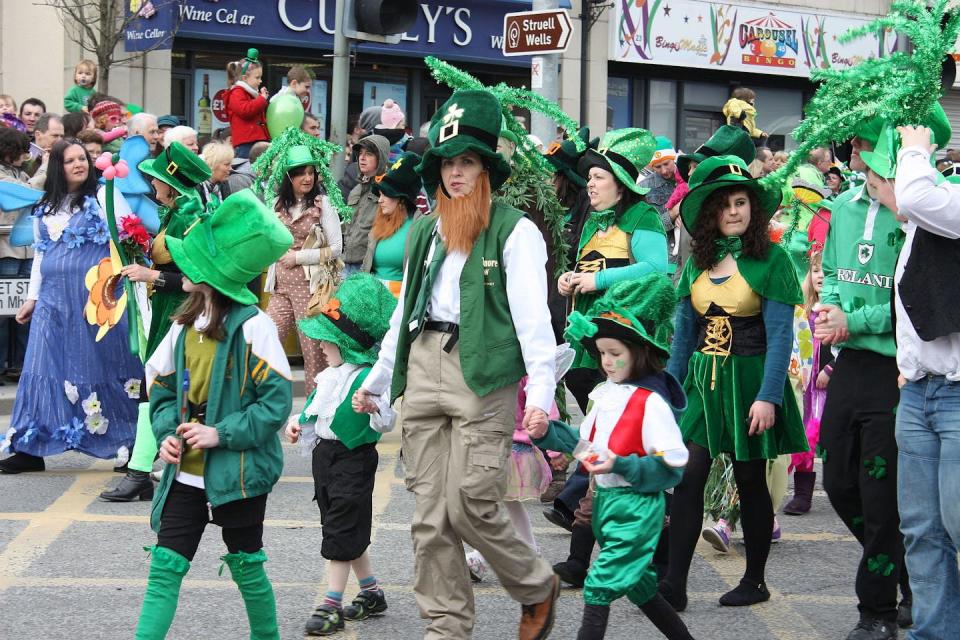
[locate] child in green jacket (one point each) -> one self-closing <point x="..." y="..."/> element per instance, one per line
<point x="343" y="444"/>
<point x="220" y="392"/>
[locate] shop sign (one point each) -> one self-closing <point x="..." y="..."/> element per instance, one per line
<point x="536" y="32"/>
<point x="449" y="29"/>
<point x="747" y="38"/>
<point x="149" y="25"/>
<point x="13" y="293"/>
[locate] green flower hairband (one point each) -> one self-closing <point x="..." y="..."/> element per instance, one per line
<point x="253" y="57"/>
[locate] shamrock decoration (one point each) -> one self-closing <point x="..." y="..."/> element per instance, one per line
<point x="877" y="467"/>
<point x="880" y="564"/>
<point x="453" y="113"/>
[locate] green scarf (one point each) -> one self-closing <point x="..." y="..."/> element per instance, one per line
<point x="732" y="245"/>
<point x="603" y="219"/>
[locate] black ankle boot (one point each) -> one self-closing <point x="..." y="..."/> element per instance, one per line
<point x="665" y="619"/>
<point x="136" y="485"/>
<point x="573" y="570"/>
<point x="676" y="598"/>
<point x="594" y="624"/>
<point x="22" y="462"/>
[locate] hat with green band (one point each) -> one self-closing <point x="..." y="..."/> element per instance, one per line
<point x="231" y="246"/>
<point x="624" y="153"/>
<point x="564" y="156"/>
<point x="725" y="141"/>
<point x="355" y="319"/>
<point x="638" y="311"/>
<point x="470" y="120"/>
<point x="720" y="172"/>
<point x="401" y="179"/>
<point x="178" y="167"/>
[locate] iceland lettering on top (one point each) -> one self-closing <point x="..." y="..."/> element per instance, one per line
<point x="450" y="29"/>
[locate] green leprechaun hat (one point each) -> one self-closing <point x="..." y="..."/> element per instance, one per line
<point x="299" y="156"/>
<point x="637" y="311"/>
<point x="355" y="319"/>
<point x="624" y="153"/>
<point x="178" y="167"/>
<point x="232" y="246"/>
<point x="725" y="141"/>
<point x="401" y="180"/>
<point x="564" y="156"/>
<point x="720" y="172"/>
<point x="469" y="121"/>
<point x="938" y="122"/>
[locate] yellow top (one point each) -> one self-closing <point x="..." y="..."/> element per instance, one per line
<point x="159" y="251"/>
<point x="198" y="354"/>
<point x="733" y="295"/>
<point x="612" y="244"/>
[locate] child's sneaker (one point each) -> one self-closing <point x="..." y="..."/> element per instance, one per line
<point x="366" y="604"/>
<point x="325" y="621"/>
<point x="718" y="536"/>
<point x="775" y="536"/>
<point x="477" y="566"/>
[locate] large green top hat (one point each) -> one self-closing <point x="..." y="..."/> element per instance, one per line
<point x="178" y="167"/>
<point x="720" y="172"/>
<point x="624" y="153"/>
<point x="232" y="246"/>
<point x="401" y="180"/>
<point x="937" y="121"/>
<point x="355" y="319"/>
<point x="725" y="141"/>
<point x="469" y="121"/>
<point x="299" y="156"/>
<point x="564" y="156"/>
<point x="637" y="311"/>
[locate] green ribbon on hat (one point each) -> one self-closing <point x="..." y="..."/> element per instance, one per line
<point x="203" y="212"/>
<point x="732" y="245"/>
<point x="579" y="327"/>
<point x="603" y="219"/>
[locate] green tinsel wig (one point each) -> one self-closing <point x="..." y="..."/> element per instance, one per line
<point x="531" y="182"/>
<point x="901" y="88"/>
<point x="270" y="167"/>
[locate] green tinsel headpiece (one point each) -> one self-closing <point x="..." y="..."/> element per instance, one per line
<point x="271" y="167"/>
<point x="901" y="88"/>
<point x="531" y="182"/>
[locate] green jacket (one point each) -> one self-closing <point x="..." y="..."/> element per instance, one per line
<point x="859" y="260"/>
<point x="490" y="354"/>
<point x="249" y="400"/>
<point x="76" y="98"/>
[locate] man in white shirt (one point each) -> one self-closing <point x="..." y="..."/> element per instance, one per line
<point x="927" y="291"/>
<point x="471" y="323"/>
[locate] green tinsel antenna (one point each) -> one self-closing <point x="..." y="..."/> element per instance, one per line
<point x="901" y="88"/>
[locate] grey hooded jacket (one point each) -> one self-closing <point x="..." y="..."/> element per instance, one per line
<point x="364" y="204"/>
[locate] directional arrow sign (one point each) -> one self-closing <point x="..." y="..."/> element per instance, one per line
<point x="536" y="32"/>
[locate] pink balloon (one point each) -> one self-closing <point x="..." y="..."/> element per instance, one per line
<point x="122" y="169"/>
<point x="103" y="161"/>
<point x="110" y="173"/>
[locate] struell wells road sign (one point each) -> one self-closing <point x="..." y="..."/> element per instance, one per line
<point x="536" y="32"/>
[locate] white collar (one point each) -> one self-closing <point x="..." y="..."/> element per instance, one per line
<point x="243" y="85"/>
<point x="333" y="383"/>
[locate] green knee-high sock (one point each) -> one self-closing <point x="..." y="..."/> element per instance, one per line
<point x="167" y="569"/>
<point x="248" y="572"/>
<point x="145" y="446"/>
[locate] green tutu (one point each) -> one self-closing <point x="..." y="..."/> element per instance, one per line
<point x="717" y="419"/>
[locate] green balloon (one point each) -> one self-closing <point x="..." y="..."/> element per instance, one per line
<point x="284" y="111"/>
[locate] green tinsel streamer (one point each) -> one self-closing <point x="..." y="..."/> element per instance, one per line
<point x="270" y="167"/>
<point x="902" y="88"/>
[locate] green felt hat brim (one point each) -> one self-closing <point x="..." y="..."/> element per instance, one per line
<point x="429" y="167"/>
<point x="567" y="170"/>
<point x="692" y="202"/>
<point x="592" y="158"/>
<point x="200" y="268"/>
<point x="683" y="163"/>
<point x="320" y="327"/>
<point x="147" y="167"/>
<point x="878" y="163"/>
<point x="608" y="328"/>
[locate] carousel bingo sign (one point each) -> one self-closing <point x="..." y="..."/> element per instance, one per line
<point x="750" y="38"/>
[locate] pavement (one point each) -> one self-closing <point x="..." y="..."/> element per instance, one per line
<point x="72" y="566"/>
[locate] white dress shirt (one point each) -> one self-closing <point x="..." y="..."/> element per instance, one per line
<point x="524" y="260"/>
<point x="931" y="204"/>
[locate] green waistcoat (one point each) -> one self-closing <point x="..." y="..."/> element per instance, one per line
<point x="490" y="355"/>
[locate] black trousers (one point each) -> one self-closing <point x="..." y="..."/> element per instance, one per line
<point x="186" y="514"/>
<point x="857" y="433"/>
<point x="343" y="480"/>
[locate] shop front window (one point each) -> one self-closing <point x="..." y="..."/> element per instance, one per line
<point x="618" y="103"/>
<point x="662" y="108"/>
<point x="779" y="111"/>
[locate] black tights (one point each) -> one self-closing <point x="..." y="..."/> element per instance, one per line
<point x="686" y="515"/>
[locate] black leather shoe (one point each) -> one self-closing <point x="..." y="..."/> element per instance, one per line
<point x="874" y="630"/>
<point x="21" y="463"/>
<point x="905" y="613"/>
<point x="559" y="518"/>
<point x="136" y="485"/>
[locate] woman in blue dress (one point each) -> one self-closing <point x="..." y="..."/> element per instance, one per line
<point x="80" y="384"/>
